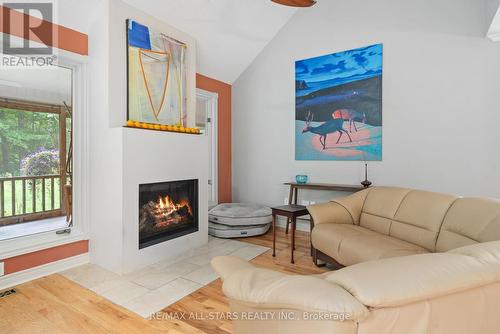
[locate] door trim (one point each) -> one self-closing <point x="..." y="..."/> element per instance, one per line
<point x="212" y="108"/>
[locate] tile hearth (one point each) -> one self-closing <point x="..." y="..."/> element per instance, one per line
<point x="159" y="285"/>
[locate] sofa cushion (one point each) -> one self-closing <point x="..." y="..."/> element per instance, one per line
<point x="278" y="290"/>
<point x="419" y="217"/>
<point x="486" y="252"/>
<point x="404" y="280"/>
<point x="414" y="216"/>
<point x="353" y="203"/>
<point x="468" y="221"/>
<point x="380" y="207"/>
<point x="351" y="244"/>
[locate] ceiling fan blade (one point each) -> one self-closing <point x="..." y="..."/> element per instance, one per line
<point x="295" y="3"/>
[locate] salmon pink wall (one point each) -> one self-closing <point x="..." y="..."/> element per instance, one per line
<point x="12" y="22"/>
<point x="35" y="259"/>
<point x="224" y="186"/>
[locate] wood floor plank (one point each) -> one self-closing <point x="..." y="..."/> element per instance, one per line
<point x="54" y="304"/>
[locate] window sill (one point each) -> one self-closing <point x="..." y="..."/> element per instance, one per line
<point x="13" y="231"/>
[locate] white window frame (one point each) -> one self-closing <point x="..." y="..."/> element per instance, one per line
<point x="80" y="180"/>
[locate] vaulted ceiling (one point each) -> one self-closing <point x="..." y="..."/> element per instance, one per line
<point x="229" y="33"/>
<point x="493" y="19"/>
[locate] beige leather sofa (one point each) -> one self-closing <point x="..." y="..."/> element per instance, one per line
<point x="384" y="222"/>
<point x="416" y="262"/>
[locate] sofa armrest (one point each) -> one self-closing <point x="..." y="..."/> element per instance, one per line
<point x="265" y="288"/>
<point x="344" y="210"/>
<point x="225" y="266"/>
<point x="329" y="213"/>
<point x="403" y="280"/>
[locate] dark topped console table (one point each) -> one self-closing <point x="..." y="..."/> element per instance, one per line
<point x="294" y="188"/>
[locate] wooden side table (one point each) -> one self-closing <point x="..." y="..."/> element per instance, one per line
<point x="291" y="211"/>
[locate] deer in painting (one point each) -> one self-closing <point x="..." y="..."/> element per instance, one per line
<point x="330" y="126"/>
<point x="351" y="116"/>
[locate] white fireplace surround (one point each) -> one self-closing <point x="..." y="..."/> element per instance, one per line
<point x="185" y="157"/>
<point x="123" y="158"/>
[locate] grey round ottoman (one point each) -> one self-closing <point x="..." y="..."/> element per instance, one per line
<point x="236" y="220"/>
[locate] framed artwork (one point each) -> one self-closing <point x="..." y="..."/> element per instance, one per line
<point x="338" y="106"/>
<point x="157" y="76"/>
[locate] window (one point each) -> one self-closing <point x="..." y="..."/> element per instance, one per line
<point x="35" y="150"/>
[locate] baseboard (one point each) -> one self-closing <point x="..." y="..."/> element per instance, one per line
<point x="20" y="277"/>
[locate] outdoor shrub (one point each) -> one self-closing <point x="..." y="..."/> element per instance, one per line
<point x="41" y="162"/>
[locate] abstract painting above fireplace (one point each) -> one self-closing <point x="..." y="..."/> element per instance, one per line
<point x="167" y="210"/>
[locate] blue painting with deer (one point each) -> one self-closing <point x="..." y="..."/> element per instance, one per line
<point x="338" y="106"/>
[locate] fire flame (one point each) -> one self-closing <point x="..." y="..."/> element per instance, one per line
<point x="168" y="206"/>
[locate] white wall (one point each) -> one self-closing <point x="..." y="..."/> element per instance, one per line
<point x="104" y="142"/>
<point x="440" y="99"/>
<point x="105" y="152"/>
<point x="493" y="19"/>
<point x="131" y="157"/>
<point x="492" y="7"/>
<point x="121" y="159"/>
<point x="149" y="157"/>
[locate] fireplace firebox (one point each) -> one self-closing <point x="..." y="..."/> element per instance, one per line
<point x="167" y="210"/>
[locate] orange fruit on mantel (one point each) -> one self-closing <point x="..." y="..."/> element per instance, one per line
<point x="162" y="127"/>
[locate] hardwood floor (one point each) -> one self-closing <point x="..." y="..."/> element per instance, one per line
<point x="54" y="304"/>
